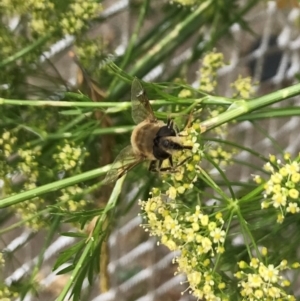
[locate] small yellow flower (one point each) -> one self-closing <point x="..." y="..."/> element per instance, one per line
<point x="218" y="235"/>
<point x="296" y="265"/>
<point x="277" y="178"/>
<point x="293" y="208"/>
<point x="268" y="167"/>
<point x="286" y="283"/>
<point x="172" y="192"/>
<point x="279" y="200"/>
<point x="280" y="218"/>
<point x="171" y="245"/>
<point x="264" y="251"/>
<point x="258" y="294"/>
<point x="269" y="274"/>
<point x="181" y="189"/>
<point x="185" y="93"/>
<point x="254" y="263"/>
<point x="195" y="226"/>
<point x="257" y="179"/>
<point x="206" y="244"/>
<point x="194" y="278"/>
<point x="294" y="193"/>
<point x="255" y="280"/>
<point x="204" y="219"/>
<point x="242" y="264"/>
<point x="265" y="205"/>
<point x="212" y="226"/>
<point x="295" y="178"/>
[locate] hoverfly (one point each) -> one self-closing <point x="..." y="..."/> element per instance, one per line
<point x="151" y="139"/>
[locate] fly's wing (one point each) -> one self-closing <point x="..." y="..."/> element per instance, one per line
<point x="125" y="161"/>
<point x="140" y="105"/>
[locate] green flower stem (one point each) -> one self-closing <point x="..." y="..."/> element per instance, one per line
<point x="124" y="105"/>
<point x="241" y="107"/>
<point x="228" y="224"/>
<point x="220" y="30"/>
<point x="237" y="108"/>
<point x="238" y="146"/>
<point x="160" y="31"/>
<point x="133" y="39"/>
<point x="161" y="50"/>
<point x="254" y="193"/>
<point x="25" y="50"/>
<point x="23" y="222"/>
<point x="115" y="130"/>
<point x="26" y="195"/>
<point x="247" y="232"/>
<point x="94" y="239"/>
<point x="271" y="113"/>
<point x="55" y="224"/>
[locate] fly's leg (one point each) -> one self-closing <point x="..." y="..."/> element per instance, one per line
<point x="157" y="168"/>
<point x="152" y="166"/>
<point x="173" y="168"/>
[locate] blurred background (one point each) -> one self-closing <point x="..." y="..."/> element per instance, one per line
<point x="45" y="51"/>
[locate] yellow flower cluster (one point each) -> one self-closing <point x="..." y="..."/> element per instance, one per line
<point x="23" y="7"/>
<point x="72" y="199"/>
<point x="197" y="235"/>
<point x="208" y="71"/>
<point x="258" y="281"/>
<point x="77" y="15"/>
<point x="51" y="16"/>
<point x="282" y="188"/>
<point x="28" y="166"/>
<point x="244" y="88"/>
<point x="7" y="44"/>
<point x="7" y="142"/>
<point x="29" y="212"/>
<point x="69" y="156"/>
<point x="220" y="156"/>
<point x="6" y="294"/>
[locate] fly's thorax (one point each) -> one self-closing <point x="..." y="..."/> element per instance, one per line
<point x="142" y="138"/>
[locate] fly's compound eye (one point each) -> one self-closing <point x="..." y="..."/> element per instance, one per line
<point x="167" y="144"/>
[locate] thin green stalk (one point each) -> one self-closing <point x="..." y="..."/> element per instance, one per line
<point x="160" y="30"/>
<point x="241" y="107"/>
<point x="208" y="180"/>
<point x="222" y="174"/>
<point x="26" y="50"/>
<point x="271" y="113"/>
<point x="161" y="50"/>
<point x="246" y="230"/>
<point x="124" y="105"/>
<point x="50" y="234"/>
<point x="228" y="223"/>
<point x="93" y="239"/>
<point x="72" y="124"/>
<point x="238" y="146"/>
<point x="275" y="143"/>
<point x="251" y="195"/>
<point x="133" y="40"/>
<point x="221" y="31"/>
<point x="26" y="195"/>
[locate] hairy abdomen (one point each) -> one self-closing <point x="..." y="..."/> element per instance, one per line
<point x="142" y="139"/>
